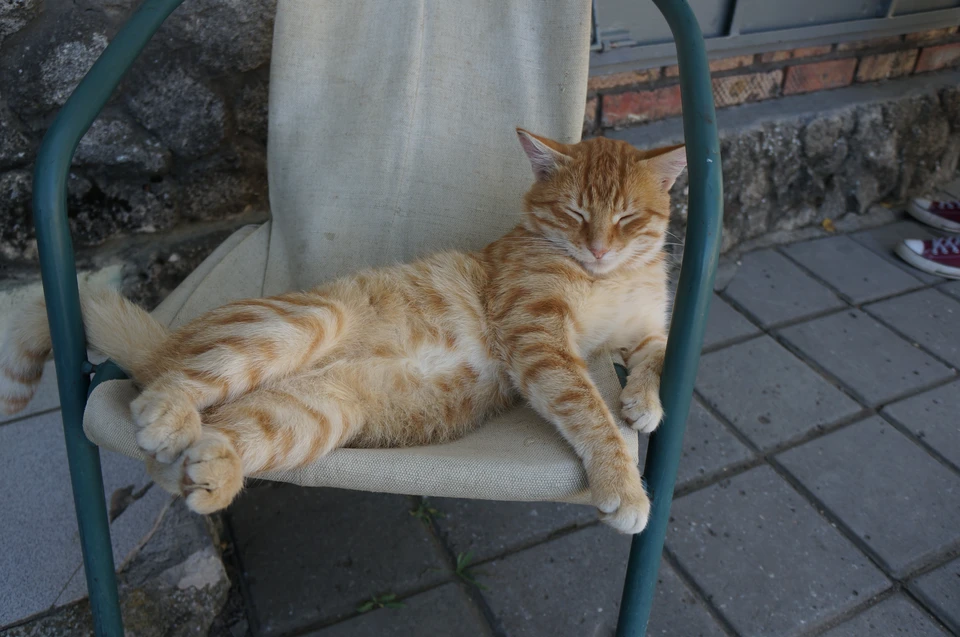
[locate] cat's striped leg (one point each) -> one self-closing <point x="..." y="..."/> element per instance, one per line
<point x="640" y="398"/>
<point x="554" y="379"/>
<point x="227" y="353"/>
<point x="292" y="422"/>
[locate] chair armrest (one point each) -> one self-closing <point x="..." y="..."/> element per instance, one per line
<point x="689" y="319"/>
<point x="57" y="266"/>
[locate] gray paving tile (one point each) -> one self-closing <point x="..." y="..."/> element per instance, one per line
<point x="952" y="288"/>
<point x="440" y="611"/>
<point x="940" y="590"/>
<point x="933" y="417"/>
<point x="709" y="449"/>
<point x="765" y="558"/>
<point x="572" y="586"/>
<point x="774" y="290"/>
<point x="725" y="324"/>
<point x="769" y="394"/>
<point x="893" y="617"/>
<point x="899" y="500"/>
<point x="488" y="529"/>
<point x="867" y="357"/>
<point x="46" y="397"/>
<point x="882" y="241"/>
<point x="41" y="547"/>
<point x="312" y="555"/>
<point x="856" y="272"/>
<point x="927" y="317"/>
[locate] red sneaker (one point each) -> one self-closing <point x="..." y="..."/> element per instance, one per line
<point x="944" y="215"/>
<point x="935" y="256"/>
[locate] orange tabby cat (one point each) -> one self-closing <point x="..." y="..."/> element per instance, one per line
<point x="415" y="353"/>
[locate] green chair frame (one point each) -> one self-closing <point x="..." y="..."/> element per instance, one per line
<point x="59" y="273"/>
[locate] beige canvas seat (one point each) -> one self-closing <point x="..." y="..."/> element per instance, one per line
<point x="382" y="149"/>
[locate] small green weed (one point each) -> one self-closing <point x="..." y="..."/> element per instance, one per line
<point x="426" y="513"/>
<point x="466" y="572"/>
<point x="383" y="601"/>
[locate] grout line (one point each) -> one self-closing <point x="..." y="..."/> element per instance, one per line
<point x="701" y="596"/>
<point x="852" y="612"/>
<point x="16" y="419"/>
<point x="920" y="442"/>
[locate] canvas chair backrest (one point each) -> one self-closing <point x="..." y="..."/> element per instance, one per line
<point x="392" y="125"/>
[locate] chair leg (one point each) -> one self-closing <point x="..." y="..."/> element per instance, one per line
<point x="88" y="498"/>
<point x="687" y="325"/>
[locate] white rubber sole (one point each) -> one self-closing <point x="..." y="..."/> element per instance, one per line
<point x="926" y="265"/>
<point x="921" y="214"/>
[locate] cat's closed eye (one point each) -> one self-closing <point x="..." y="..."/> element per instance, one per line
<point x="576" y="215"/>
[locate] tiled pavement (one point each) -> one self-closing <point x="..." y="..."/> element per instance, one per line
<point x="819" y="492"/>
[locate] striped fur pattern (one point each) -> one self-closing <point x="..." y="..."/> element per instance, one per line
<point x="412" y="354"/>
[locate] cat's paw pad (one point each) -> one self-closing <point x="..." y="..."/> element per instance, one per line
<point x="622" y="501"/>
<point x="212" y="474"/>
<point x="167" y="425"/>
<point x="640" y="406"/>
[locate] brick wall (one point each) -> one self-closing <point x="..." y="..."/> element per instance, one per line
<point x="636" y="97"/>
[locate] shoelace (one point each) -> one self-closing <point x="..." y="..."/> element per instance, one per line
<point x="945" y="205"/>
<point x="944" y="246"/>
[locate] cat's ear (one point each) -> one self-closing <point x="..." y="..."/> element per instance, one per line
<point x="545" y="154"/>
<point x="667" y="163"/>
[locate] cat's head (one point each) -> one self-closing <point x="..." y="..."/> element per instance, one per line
<point x="602" y="202"/>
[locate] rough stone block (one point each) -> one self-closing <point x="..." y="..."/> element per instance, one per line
<point x="893" y="617"/>
<point x="774" y="290"/>
<point x="635" y="107"/>
<point x="445" y="610"/>
<point x="935" y="58"/>
<point x="488" y="529"/>
<point x="728" y="64"/>
<point x="927" y="317"/>
<point x="709" y="449"/>
<point x="312" y="555"/>
<point x="940" y="589"/>
<point x="766" y="559"/>
<point x="892" y="494"/>
<point x="752" y="87"/>
<point x="856" y="273"/>
<point x="572" y="586"/>
<point x="871" y="360"/>
<point x="725" y="324"/>
<point x="15" y="14"/>
<point x="882" y="241"/>
<point x="159" y="98"/>
<point x="886" y="65"/>
<point x="819" y="76"/>
<point x="113" y="141"/>
<point x="618" y="80"/>
<point x="932" y="417"/>
<point x="768" y="394"/>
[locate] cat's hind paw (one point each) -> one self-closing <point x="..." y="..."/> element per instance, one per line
<point x="212" y="473"/>
<point x="168" y="424"/>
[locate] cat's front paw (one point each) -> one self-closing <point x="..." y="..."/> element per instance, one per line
<point x="168" y="424"/>
<point x="640" y="404"/>
<point x="619" y="495"/>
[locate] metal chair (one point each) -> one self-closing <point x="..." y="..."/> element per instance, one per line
<point x="693" y="296"/>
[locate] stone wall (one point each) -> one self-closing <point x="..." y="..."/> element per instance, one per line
<point x="177" y="159"/>
<point x="181" y="144"/>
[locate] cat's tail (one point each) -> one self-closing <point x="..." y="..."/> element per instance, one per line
<point x="114" y="326"/>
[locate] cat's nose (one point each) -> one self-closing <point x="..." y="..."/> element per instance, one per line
<point x="599" y="252"/>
